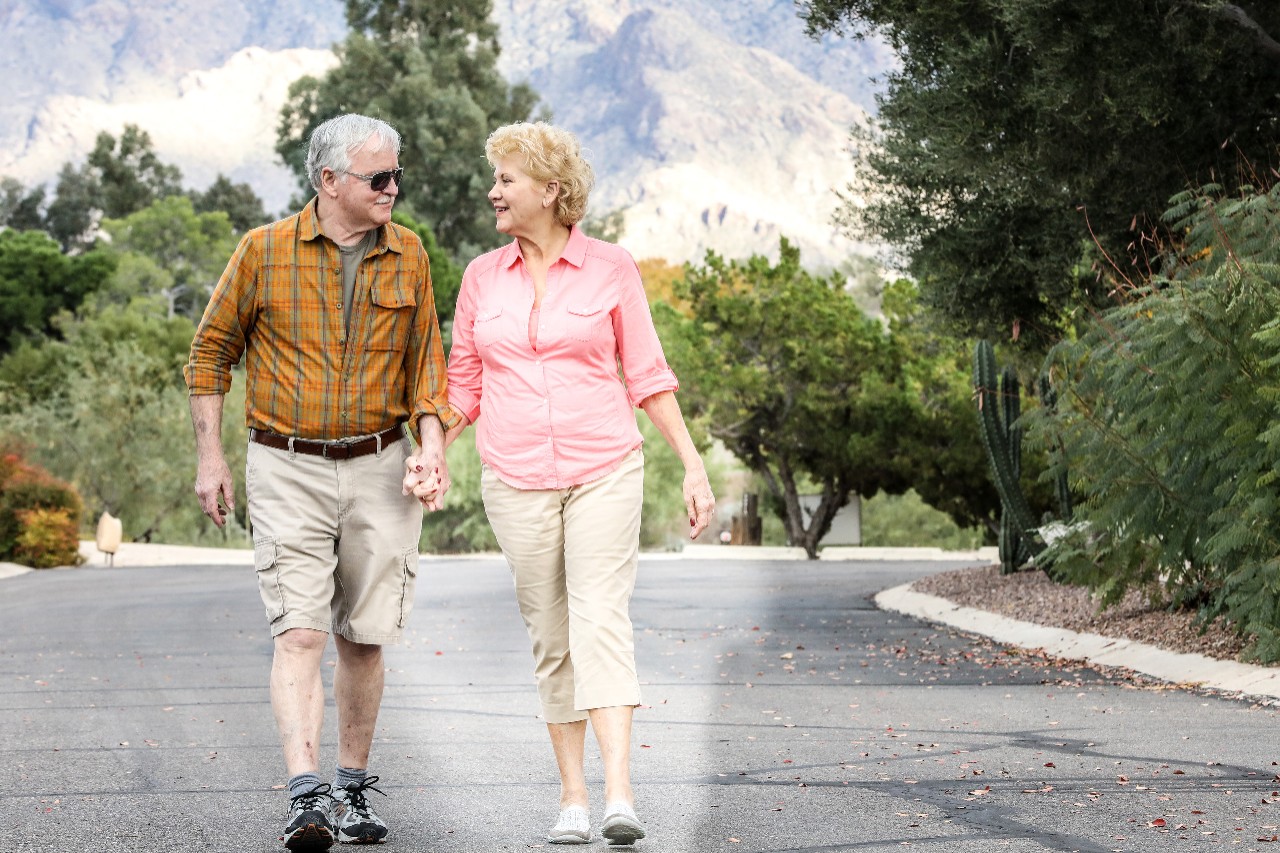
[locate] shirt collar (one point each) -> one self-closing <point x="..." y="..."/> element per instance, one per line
<point x="309" y="221"/>
<point x="309" y="226"/>
<point x="575" y="251"/>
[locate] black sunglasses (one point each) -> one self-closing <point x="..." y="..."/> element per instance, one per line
<point x="378" y="180"/>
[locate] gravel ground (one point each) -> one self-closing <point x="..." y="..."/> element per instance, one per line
<point x="1032" y="597"/>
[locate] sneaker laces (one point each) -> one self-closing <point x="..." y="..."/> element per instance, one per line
<point x="355" y="796"/>
<point x="308" y="800"/>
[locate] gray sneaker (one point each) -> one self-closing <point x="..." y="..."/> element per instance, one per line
<point x="357" y="822"/>
<point x="310" y="820"/>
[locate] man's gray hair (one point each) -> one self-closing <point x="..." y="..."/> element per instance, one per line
<point x="334" y="140"/>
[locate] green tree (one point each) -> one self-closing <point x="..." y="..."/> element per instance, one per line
<point x="128" y="173"/>
<point x="37" y="281"/>
<point x="21" y="209"/>
<point x="941" y="445"/>
<point x="783" y="368"/>
<point x="105" y="408"/>
<point x="118" y="178"/>
<point x="73" y="213"/>
<point x="446" y="274"/>
<point x="428" y="67"/>
<point x="238" y="201"/>
<point x="179" y="254"/>
<point x="1018" y="142"/>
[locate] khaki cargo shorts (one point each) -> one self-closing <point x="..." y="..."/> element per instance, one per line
<point x="335" y="542"/>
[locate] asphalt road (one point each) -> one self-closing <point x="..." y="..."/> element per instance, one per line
<point x="783" y="712"/>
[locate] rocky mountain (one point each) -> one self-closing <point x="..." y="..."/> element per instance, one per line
<point x="711" y="124"/>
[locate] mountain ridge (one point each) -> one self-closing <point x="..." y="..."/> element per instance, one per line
<point x="712" y="126"/>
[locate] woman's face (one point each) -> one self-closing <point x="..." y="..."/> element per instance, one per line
<point x="520" y="203"/>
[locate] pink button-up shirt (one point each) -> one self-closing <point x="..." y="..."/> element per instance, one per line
<point x="559" y="415"/>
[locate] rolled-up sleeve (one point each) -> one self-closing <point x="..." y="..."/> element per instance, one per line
<point x="219" y="341"/>
<point x="424" y="358"/>
<point x="644" y="366"/>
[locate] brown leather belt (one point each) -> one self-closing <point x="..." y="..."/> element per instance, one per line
<point x="340" y="449"/>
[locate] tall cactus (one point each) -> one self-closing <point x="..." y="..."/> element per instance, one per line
<point x="999" y="407"/>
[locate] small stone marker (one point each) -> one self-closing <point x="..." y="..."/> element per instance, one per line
<point x="110" y="531"/>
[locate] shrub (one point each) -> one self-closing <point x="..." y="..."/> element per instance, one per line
<point x="38" y="515"/>
<point x="49" y="538"/>
<point x="1167" y="413"/>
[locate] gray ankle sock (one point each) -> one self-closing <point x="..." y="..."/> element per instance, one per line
<point x="303" y="783"/>
<point x="344" y="776"/>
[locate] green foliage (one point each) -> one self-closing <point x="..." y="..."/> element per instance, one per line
<point x="1014" y="132"/>
<point x="461" y="527"/>
<point x="812" y="395"/>
<point x="238" y="201"/>
<point x="906" y="521"/>
<point x="118" y="178"/>
<point x="21" y="209"/>
<point x="664" y="520"/>
<point x="39" y="515"/>
<point x="793" y="378"/>
<point x="37" y="281"/>
<point x="939" y="447"/>
<point x="446" y="274"/>
<point x="1166" y="412"/>
<point x="168" y="251"/>
<point x="106" y="408"/>
<point x="428" y="67"/>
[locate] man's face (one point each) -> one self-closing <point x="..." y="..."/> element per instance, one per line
<point x="362" y="206"/>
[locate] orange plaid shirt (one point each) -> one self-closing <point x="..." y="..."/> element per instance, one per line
<point x="279" y="304"/>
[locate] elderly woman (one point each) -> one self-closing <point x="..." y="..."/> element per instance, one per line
<point x="541" y="327"/>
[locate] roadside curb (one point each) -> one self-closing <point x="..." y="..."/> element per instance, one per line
<point x="12" y="570"/>
<point x="1179" y="668"/>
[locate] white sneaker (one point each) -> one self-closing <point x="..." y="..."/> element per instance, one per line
<point x="620" y="824"/>
<point x="572" y="827"/>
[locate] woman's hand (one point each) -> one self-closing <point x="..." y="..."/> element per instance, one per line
<point x="423" y="484"/>
<point x="698" y="500"/>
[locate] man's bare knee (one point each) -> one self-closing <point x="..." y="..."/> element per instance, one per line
<point x="301" y="641"/>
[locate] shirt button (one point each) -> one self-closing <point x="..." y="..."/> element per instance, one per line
<point x="339" y="305"/>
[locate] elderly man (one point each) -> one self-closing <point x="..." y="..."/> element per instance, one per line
<point x="332" y="309"/>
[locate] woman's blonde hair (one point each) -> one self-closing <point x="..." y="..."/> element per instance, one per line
<point x="549" y="153"/>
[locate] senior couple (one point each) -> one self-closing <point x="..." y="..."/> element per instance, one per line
<point x="332" y="311"/>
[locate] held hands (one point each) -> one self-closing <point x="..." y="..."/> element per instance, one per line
<point x="426" y="479"/>
<point x="698" y="500"/>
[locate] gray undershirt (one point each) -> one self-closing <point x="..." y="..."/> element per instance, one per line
<point x="351" y="257"/>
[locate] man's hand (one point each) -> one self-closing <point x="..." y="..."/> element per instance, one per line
<point x="213" y="477"/>
<point x="213" y="481"/>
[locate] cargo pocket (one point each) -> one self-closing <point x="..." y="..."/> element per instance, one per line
<point x="409" y="583"/>
<point x="266" y="559"/>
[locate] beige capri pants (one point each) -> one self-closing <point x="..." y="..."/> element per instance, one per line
<point x="573" y="554"/>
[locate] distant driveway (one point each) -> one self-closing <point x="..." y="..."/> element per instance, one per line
<point x="783" y="712"/>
